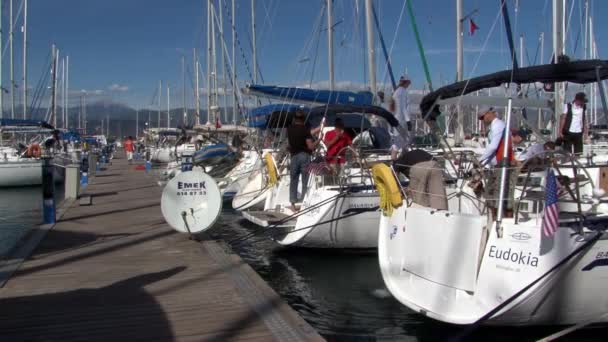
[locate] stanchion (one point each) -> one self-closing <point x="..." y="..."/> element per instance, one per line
<point x="48" y="191"/>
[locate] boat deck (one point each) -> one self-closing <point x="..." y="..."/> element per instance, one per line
<point x="115" y="270"/>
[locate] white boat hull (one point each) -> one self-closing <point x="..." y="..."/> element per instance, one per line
<point x="20" y="173"/>
<point x="341" y="222"/>
<point x="436" y="264"/>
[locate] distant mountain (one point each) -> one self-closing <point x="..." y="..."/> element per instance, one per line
<point x="122" y="117"/>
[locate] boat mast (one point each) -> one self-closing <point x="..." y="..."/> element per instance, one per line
<point x="586" y="35"/>
<point x="330" y="43"/>
<point x="12" y="57"/>
<point x="25" y="60"/>
<point x="459" y="134"/>
<point x="224" y="80"/>
<point x="84" y="113"/>
<point x="255" y="54"/>
<point x="234" y="89"/>
<point x="197" y="90"/>
<point x="185" y="118"/>
<point x="371" y="55"/>
<point x="67" y="91"/>
<point x="168" y="110"/>
<point x="215" y="106"/>
<point x="1" y="83"/>
<point x="459" y="43"/>
<point x="54" y="54"/>
<point x="62" y="92"/>
<point x="160" y="93"/>
<point x="136" y="123"/>
<point x="558" y="50"/>
<point x="539" y="119"/>
<point x="208" y="61"/>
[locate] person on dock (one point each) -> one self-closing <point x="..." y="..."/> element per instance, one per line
<point x="129" y="148"/>
<point x="336" y="141"/>
<point x="573" y="126"/>
<point x="301" y="145"/>
<point x="493" y="156"/>
<point x="400" y="108"/>
<point x="426" y="181"/>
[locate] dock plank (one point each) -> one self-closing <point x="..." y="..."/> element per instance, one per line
<point x="115" y="270"/>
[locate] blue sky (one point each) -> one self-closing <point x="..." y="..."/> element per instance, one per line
<point x="120" y="49"/>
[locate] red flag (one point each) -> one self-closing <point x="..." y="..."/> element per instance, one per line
<point x="218" y="124"/>
<point x="472" y="27"/>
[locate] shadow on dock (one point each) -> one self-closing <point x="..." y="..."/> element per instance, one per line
<point x="122" y="310"/>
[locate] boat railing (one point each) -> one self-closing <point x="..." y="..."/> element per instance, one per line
<point x="559" y="161"/>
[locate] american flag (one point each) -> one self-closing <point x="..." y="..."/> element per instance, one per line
<point x="318" y="167"/>
<point x="551" y="214"/>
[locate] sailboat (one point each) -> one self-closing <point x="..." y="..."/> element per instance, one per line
<point x="464" y="266"/>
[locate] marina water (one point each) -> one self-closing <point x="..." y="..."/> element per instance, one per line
<point x="342" y="294"/>
<point x="20" y="212"/>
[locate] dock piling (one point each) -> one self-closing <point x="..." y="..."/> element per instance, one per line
<point x="72" y="181"/>
<point x="93" y="164"/>
<point x="48" y="191"/>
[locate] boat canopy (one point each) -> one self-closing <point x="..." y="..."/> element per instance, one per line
<point x="580" y="72"/>
<point x="258" y="117"/>
<point x="25" y="123"/>
<point x="352" y="115"/>
<point x="70" y="136"/>
<point x="312" y="96"/>
<point x="333" y="110"/>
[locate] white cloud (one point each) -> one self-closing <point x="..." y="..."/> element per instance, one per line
<point x="118" y="87"/>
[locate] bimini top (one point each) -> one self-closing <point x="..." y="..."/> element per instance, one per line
<point x="350" y="114"/>
<point x="576" y="72"/>
<point x="258" y="117"/>
<point x="312" y="96"/>
<point x="332" y="110"/>
<point x="25" y="123"/>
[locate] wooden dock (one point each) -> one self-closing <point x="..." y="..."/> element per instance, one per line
<point x="115" y="271"/>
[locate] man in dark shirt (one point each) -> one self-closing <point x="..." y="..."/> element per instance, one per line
<point x="426" y="179"/>
<point x="301" y="145"/>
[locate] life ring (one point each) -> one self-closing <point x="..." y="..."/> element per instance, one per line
<point x="33" y="151"/>
<point x="273" y="177"/>
<point x="388" y="189"/>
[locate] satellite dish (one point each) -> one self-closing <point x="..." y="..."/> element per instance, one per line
<point x="191" y="202"/>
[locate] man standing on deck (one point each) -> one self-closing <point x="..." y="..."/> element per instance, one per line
<point x="493" y="157"/>
<point x="301" y="145"/>
<point x="573" y="124"/>
<point x="400" y="108"/>
<point x="129" y="148"/>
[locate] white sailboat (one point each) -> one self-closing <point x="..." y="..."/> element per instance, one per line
<point x="463" y="266"/>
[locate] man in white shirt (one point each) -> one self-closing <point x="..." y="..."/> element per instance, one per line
<point x="495" y="128"/>
<point x="399" y="107"/>
<point x="573" y="124"/>
<point x="493" y="156"/>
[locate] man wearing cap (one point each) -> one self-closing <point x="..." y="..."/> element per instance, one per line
<point x="301" y="145"/>
<point x="494" y="156"/>
<point x="400" y="108"/>
<point x="573" y="124"/>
